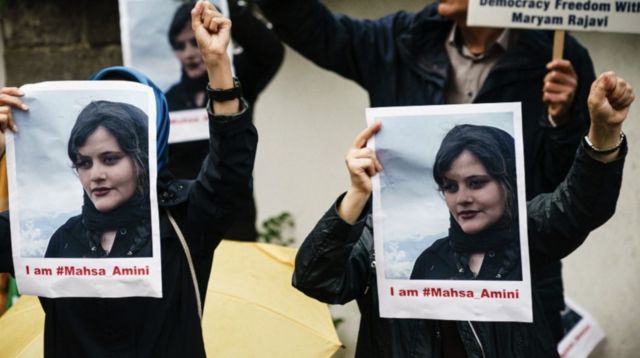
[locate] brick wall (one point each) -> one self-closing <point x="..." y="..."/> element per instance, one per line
<point x="58" y="40"/>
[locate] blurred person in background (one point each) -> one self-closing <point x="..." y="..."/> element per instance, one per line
<point x="257" y="58"/>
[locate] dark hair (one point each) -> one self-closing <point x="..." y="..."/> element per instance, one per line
<point x="492" y="146"/>
<point x="181" y="18"/>
<point x="126" y="123"/>
<point x="162" y="109"/>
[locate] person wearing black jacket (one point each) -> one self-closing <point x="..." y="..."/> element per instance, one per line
<point x="169" y="326"/>
<point x="336" y="262"/>
<point x="433" y="57"/>
<point x="255" y="66"/>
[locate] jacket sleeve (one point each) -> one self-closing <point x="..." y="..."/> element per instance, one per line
<point x="333" y="264"/>
<point x="262" y="52"/>
<point x="559" y="222"/>
<point x="225" y="176"/>
<point x="6" y="256"/>
<point x="355" y="49"/>
<point x="562" y="141"/>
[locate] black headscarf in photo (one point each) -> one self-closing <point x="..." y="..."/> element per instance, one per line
<point x="496" y="150"/>
<point x="128" y="125"/>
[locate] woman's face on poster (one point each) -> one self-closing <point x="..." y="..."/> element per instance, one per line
<point x="186" y="50"/>
<point x="475" y="199"/>
<point x="108" y="175"/>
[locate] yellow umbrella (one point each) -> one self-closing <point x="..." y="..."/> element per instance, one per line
<point x="21" y="329"/>
<point x="251" y="309"/>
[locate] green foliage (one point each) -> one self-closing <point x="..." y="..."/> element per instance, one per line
<point x="277" y="229"/>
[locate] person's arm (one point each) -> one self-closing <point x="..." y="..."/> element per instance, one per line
<point x="213" y="34"/>
<point x="566" y="119"/>
<point x="355" y="49"/>
<point x="334" y="262"/>
<point x="560" y="221"/>
<point x="262" y="52"/>
<point x="9" y="101"/>
<point x="226" y="172"/>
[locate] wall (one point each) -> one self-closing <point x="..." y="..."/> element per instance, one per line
<point x="59" y="40"/>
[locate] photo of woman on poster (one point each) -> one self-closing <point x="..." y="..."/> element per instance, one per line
<point x="475" y="172"/>
<point x="189" y="91"/>
<point x="108" y="149"/>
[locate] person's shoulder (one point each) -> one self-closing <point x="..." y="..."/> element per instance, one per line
<point x="434" y="249"/>
<point x="401" y="20"/>
<point x="70" y="229"/>
<point x="574" y="50"/>
<point x="539" y="43"/>
<point x="542" y="38"/>
<point x="425" y="27"/>
<point x="440" y="244"/>
<point x="72" y="224"/>
<point x="174" y="91"/>
<point x="427" y="18"/>
<point x="177" y="98"/>
<point x="432" y="255"/>
<point x="534" y="39"/>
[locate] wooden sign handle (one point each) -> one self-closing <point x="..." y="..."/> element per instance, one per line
<point x="558" y="44"/>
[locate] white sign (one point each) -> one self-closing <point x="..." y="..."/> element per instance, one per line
<point x="144" y="29"/>
<point x="189" y="125"/>
<point x="582" y="333"/>
<point x="586" y="15"/>
<point x="82" y="185"/>
<point x="417" y="225"/>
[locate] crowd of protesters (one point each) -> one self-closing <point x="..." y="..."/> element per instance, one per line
<point x="574" y="152"/>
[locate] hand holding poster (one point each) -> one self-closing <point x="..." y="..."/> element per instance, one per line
<point x="451" y="197"/>
<point x="82" y="174"/>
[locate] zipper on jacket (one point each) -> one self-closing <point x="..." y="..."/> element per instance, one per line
<point x="477" y="339"/>
<point x="372" y="258"/>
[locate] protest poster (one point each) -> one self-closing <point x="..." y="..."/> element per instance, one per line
<point x="82" y="183"/>
<point x="582" y="333"/>
<point x="173" y="60"/>
<point x="416" y="220"/>
<point x="575" y="15"/>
